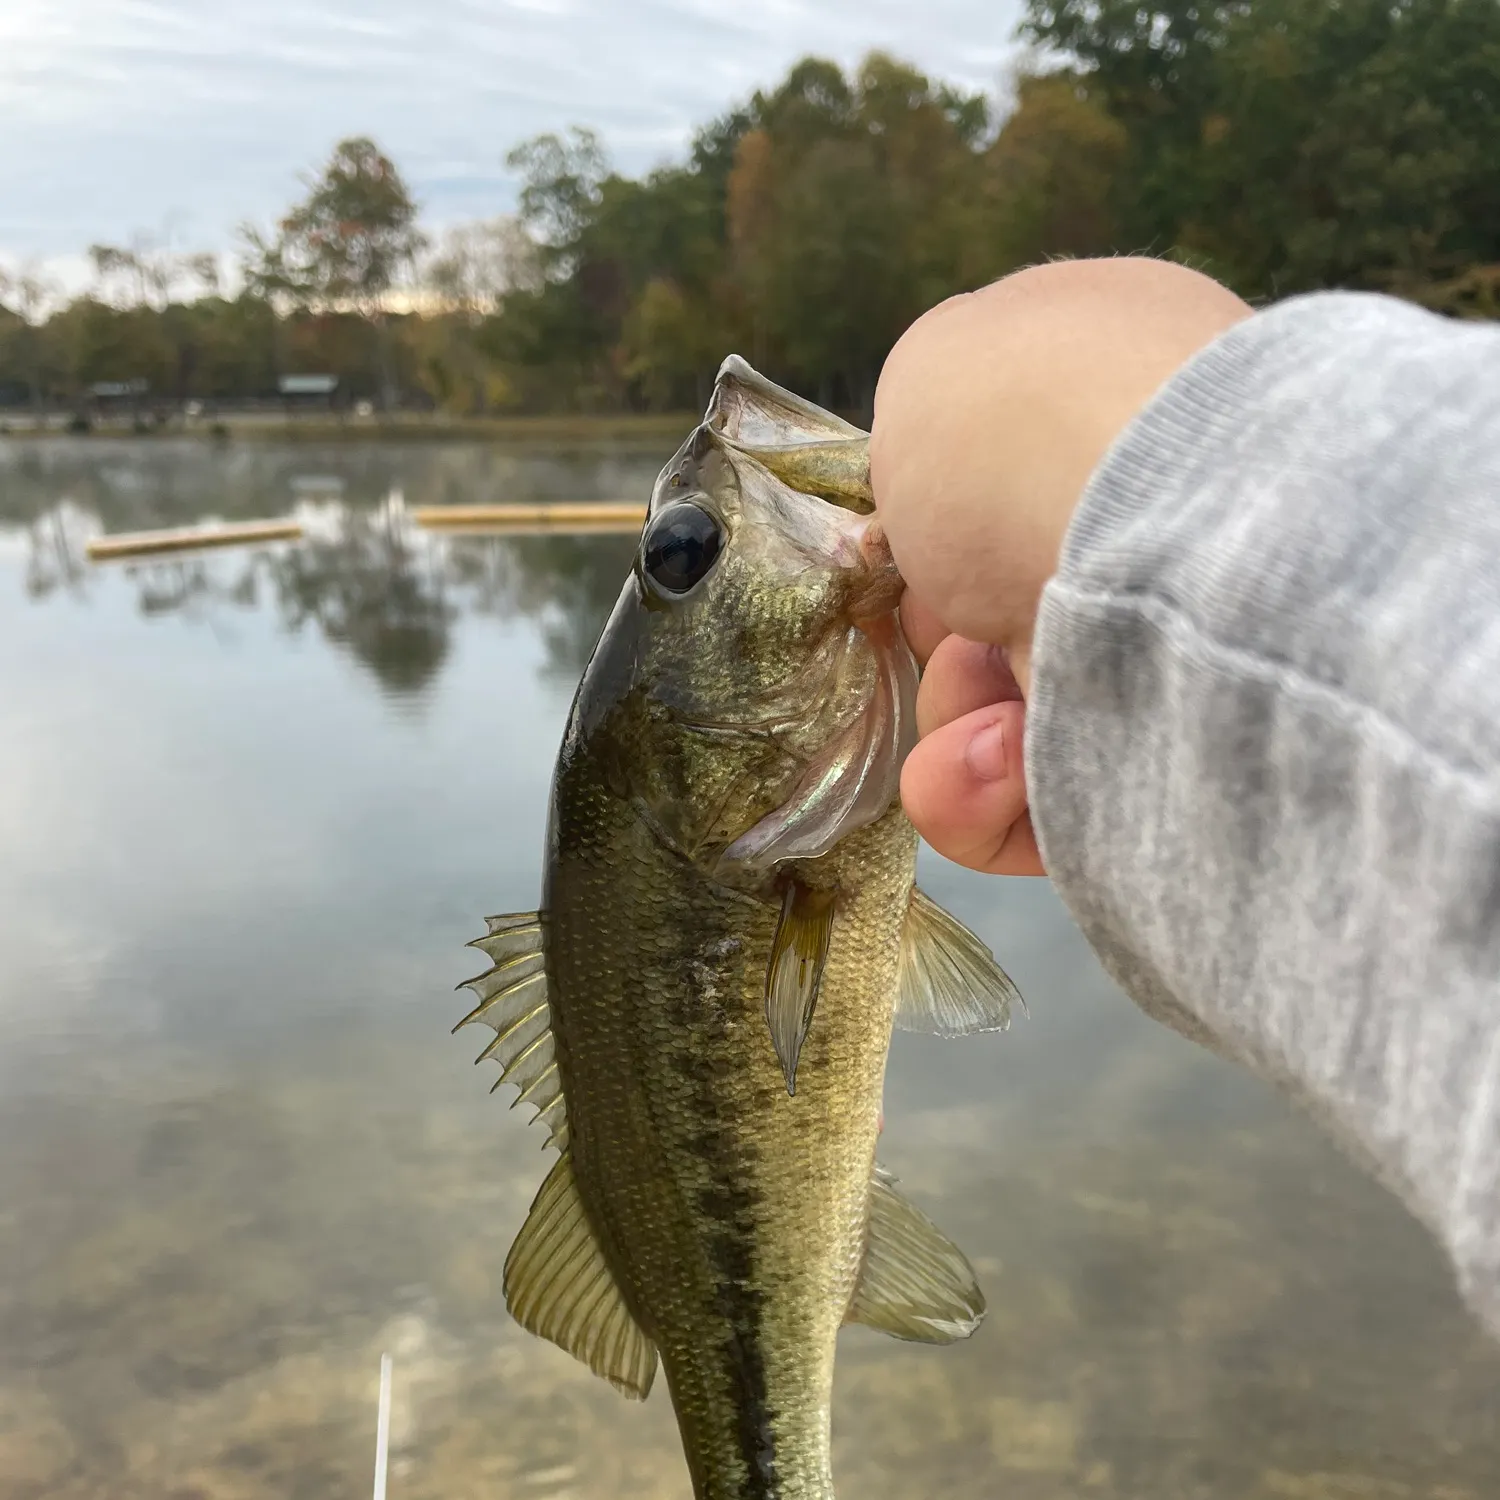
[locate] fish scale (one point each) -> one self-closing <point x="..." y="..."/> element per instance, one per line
<point x="732" y="1213"/>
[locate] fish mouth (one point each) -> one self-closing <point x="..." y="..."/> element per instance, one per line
<point x="804" y="475"/>
<point x="803" y="445"/>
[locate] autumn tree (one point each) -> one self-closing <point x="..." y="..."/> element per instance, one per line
<point x="851" y="208"/>
<point x="346" y="245"/>
<point x="1055" y="176"/>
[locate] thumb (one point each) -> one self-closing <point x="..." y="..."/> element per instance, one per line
<point x="964" y="788"/>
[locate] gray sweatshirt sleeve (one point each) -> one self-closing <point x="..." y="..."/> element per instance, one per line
<point x="1263" y="742"/>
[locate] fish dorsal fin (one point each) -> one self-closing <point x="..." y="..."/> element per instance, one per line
<point x="915" y="1283"/>
<point x="513" y="1003"/>
<point x="798" y="441"/>
<point x="559" y="1286"/>
<point x="948" y="981"/>
<point x="795" y="970"/>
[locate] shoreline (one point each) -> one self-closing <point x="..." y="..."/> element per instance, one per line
<point x="573" y="427"/>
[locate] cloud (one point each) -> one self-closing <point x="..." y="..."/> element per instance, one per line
<point x="180" y="120"/>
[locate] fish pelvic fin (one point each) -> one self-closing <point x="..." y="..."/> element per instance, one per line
<point x="513" y="1003"/>
<point x="915" y="1283"/>
<point x="948" y="982"/>
<point x="798" y="953"/>
<point x="559" y="1286"/>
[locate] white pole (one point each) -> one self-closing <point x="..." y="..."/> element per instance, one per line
<point x="383" y="1426"/>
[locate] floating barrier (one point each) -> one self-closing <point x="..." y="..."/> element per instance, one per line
<point x="551" y="515"/>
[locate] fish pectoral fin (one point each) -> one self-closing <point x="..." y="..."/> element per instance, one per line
<point x="948" y="981"/>
<point x="559" y="1286"/>
<point x="915" y="1283"/>
<point x="798" y="953"/>
<point x="513" y="1003"/>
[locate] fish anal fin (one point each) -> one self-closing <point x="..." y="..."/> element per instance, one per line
<point x="915" y="1283"/>
<point x="559" y="1286"/>
<point x="798" y="953"/>
<point x="513" y="1003"/>
<point x="948" y="982"/>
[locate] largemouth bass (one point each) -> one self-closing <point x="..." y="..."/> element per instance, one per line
<point x="701" y="1009"/>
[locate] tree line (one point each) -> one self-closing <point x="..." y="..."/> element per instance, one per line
<point x="1282" y="145"/>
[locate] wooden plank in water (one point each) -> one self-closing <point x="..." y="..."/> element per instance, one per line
<point x="191" y="538"/>
<point x="570" y="515"/>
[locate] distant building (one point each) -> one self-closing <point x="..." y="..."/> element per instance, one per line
<point x="118" y="398"/>
<point x="308" y="392"/>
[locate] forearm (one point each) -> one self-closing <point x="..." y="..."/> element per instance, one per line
<point x="1264" y="729"/>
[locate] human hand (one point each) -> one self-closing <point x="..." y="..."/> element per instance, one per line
<point x="992" y="412"/>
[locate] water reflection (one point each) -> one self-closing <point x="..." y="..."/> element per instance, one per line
<point x="240" y="1155"/>
<point x="371" y="591"/>
<point x="132" y="485"/>
<point x="366" y="579"/>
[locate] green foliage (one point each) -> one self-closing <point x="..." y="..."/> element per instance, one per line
<point x="811" y="225"/>
<point x="1293" y="145"/>
<point x="1054" y="173"/>
<point x="1281" y="144"/>
<point x="561" y="177"/>
<point x="354" y="235"/>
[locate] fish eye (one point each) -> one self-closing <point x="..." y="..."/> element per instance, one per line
<point x="680" y="546"/>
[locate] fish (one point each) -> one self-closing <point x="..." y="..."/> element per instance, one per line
<point x="701" y="1009"/>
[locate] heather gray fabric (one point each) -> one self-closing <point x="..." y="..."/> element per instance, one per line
<point x="1263" y="743"/>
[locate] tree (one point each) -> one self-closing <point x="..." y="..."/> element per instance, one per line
<point x="347" y="244"/>
<point x="1289" y="146"/>
<point x="671" y="347"/>
<point x="850" y="209"/>
<point x="475" y="265"/>
<point x="143" y="274"/>
<point x="561" y="178"/>
<point x="1056" y="179"/>
<point x="26" y="294"/>
<point x="1152" y="65"/>
<point x="1279" y="144"/>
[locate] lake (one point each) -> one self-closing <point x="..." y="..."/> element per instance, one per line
<point x="252" y="806"/>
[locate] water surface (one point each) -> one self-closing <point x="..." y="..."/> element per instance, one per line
<point x="253" y="804"/>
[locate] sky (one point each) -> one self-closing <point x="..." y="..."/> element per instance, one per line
<point x="177" y="120"/>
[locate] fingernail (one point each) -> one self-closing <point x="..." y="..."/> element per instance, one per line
<point x="985" y="756"/>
